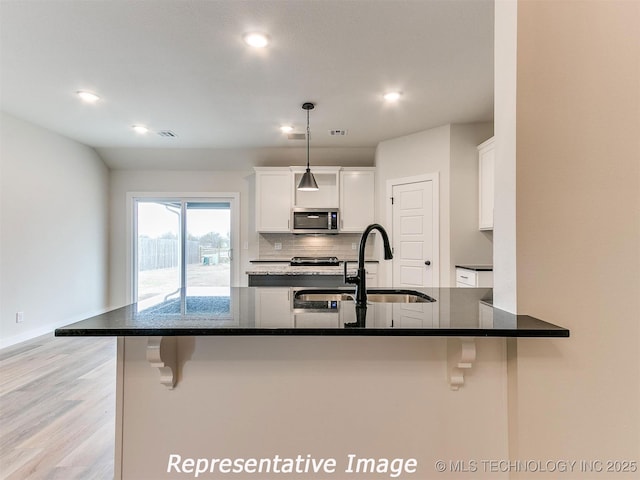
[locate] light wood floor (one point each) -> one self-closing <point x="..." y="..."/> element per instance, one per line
<point x="57" y="409"/>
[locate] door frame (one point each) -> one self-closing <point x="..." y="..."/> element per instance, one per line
<point x="435" y="201"/>
<point x="234" y="201"/>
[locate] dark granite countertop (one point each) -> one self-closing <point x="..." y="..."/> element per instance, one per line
<point x="458" y="312"/>
<point x="477" y="268"/>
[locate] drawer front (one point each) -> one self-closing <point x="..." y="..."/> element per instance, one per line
<point x="466" y="277"/>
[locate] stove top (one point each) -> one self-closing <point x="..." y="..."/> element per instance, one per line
<point x="315" y="261"/>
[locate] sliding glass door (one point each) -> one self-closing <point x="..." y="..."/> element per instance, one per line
<point x="183" y="248"/>
<point x="208" y="246"/>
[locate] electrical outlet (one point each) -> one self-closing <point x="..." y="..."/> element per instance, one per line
<point x="354" y="246"/>
<point x="19" y="317"/>
<point x="277" y="246"/>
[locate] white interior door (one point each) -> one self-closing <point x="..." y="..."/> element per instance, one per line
<point x="415" y="246"/>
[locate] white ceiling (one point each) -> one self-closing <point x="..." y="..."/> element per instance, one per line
<point x="182" y="65"/>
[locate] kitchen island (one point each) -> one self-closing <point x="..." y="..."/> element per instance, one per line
<point x="230" y="378"/>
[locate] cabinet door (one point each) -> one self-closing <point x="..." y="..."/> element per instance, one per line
<point x="348" y="315"/>
<point x="486" y="188"/>
<point x="273" y="307"/>
<point x="273" y="200"/>
<point x="372" y="274"/>
<point x="357" y="200"/>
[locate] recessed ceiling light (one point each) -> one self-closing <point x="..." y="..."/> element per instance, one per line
<point x="286" y="129"/>
<point x="392" y="96"/>
<point x="257" y="40"/>
<point x="140" y="129"/>
<point x="88" y="96"/>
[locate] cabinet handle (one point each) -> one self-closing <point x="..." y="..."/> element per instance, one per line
<point x="427" y="262"/>
<point x="462" y="276"/>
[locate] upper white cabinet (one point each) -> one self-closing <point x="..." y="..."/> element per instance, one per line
<point x="486" y="174"/>
<point x="327" y="194"/>
<point x="273" y="199"/>
<point x="357" y="199"/>
<point x="349" y="189"/>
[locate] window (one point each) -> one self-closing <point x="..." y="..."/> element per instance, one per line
<point x="182" y="248"/>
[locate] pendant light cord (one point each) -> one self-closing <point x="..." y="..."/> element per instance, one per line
<point x="308" y="140"/>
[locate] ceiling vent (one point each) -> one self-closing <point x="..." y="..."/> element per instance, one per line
<point x="167" y="133"/>
<point x="337" y="133"/>
<point x="296" y="136"/>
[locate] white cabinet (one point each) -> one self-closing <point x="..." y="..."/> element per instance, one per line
<point x="473" y="278"/>
<point x="357" y="199"/>
<point x="486" y="184"/>
<point x="485" y="315"/>
<point x="372" y="274"/>
<point x="352" y="190"/>
<point x="273" y="307"/>
<point x="274" y="188"/>
<point x="317" y="320"/>
<point x="327" y="194"/>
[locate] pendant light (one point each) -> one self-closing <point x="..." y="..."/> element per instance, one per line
<point x="308" y="182"/>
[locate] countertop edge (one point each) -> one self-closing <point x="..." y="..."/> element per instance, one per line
<point x="477" y="268"/>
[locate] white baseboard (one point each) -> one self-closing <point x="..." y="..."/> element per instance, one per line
<point x="43" y="330"/>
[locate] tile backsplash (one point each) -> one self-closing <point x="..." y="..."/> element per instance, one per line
<point x="340" y="246"/>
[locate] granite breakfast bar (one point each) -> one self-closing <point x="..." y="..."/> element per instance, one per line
<point x="255" y="375"/>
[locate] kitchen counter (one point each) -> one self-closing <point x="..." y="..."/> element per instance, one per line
<point x="214" y="377"/>
<point x="477" y="268"/>
<point x="455" y="312"/>
<point x="282" y="267"/>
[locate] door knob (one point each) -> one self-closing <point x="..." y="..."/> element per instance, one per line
<point x="427" y="262"/>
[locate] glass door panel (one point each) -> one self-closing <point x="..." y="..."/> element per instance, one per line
<point x="208" y="249"/>
<point x="158" y="274"/>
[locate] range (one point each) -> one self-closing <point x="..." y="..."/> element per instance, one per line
<point x="315" y="261"/>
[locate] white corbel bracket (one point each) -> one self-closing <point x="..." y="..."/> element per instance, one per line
<point x="462" y="363"/>
<point x="161" y="354"/>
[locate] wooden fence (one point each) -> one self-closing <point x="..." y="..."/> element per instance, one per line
<point x="155" y="253"/>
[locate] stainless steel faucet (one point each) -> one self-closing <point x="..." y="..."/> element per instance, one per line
<point x="360" y="280"/>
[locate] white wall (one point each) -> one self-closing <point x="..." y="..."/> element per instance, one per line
<point x="416" y="154"/>
<point x="504" y="212"/>
<point x="53" y="231"/>
<point x="449" y="150"/>
<point x="578" y="241"/>
<point x="469" y="245"/>
<point x="123" y="181"/>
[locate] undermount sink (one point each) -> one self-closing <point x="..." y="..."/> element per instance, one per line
<point x="322" y="296"/>
<point x="374" y="295"/>
<point x="403" y="296"/>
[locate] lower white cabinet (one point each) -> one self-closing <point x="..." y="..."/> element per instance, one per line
<point x="485" y="315"/>
<point x="317" y="320"/>
<point x="372" y="274"/>
<point x="473" y="278"/>
<point x="273" y="307"/>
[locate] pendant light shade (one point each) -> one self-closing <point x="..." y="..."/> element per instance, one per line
<point x="308" y="182"/>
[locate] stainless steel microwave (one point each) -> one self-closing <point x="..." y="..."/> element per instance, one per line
<point x="314" y="220"/>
